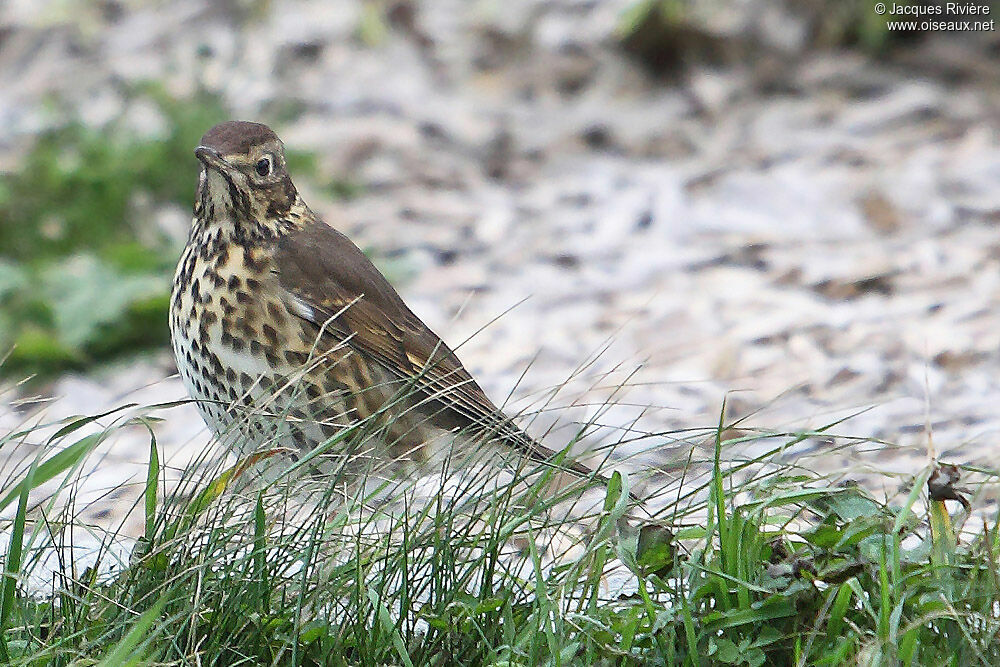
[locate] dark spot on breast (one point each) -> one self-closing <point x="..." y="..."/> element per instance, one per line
<point x="246" y="327"/>
<point x="242" y="297"/>
<point x="253" y="285"/>
<point x="351" y="402"/>
<point x="218" y="280"/>
<point x="230" y="375"/>
<point x="271" y="357"/>
<point x="307" y="333"/>
<point x="209" y="317"/>
<point x="255" y="347"/>
<point x="188" y="269"/>
<point x="271" y="334"/>
<point x="334" y="386"/>
<point x="276" y="312"/>
<point x="227" y="308"/>
<point x="295" y="358"/>
<point x="252" y="264"/>
<point x="235" y="196"/>
<point x="329" y="430"/>
<point x="300" y="439"/>
<point x="234" y="283"/>
<point x="238" y="344"/>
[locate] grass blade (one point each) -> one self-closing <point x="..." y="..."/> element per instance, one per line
<point x="12" y="567"/>
<point x="51" y="467"/>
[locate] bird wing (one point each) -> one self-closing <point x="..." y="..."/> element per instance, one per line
<point x="336" y="287"/>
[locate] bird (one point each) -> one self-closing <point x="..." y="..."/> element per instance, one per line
<point x="286" y="335"/>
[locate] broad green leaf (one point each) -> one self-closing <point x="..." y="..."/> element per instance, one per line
<point x="86" y="294"/>
<point x="13" y="277"/>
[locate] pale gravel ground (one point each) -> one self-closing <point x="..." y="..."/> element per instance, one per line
<point x="824" y="247"/>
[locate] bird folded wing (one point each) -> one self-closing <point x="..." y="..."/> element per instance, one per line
<point x="332" y="284"/>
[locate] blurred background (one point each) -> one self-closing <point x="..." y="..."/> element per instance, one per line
<point x="649" y="205"/>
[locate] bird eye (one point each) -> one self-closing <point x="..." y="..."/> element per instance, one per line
<point x="263" y="166"/>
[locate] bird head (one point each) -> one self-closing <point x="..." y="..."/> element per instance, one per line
<point x="244" y="175"/>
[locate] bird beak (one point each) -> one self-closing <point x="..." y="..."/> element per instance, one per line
<point x="211" y="158"/>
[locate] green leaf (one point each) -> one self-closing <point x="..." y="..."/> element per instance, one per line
<point x="86" y="294"/>
<point x="152" y="477"/>
<point x="655" y="553"/>
<point x="847" y="504"/>
<point x="13" y="277"/>
<point x="773" y="607"/>
<point x="838" y="609"/>
<point x="726" y="651"/>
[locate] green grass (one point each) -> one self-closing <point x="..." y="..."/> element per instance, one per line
<point x="754" y="562"/>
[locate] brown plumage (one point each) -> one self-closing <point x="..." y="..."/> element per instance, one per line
<point x="285" y="332"/>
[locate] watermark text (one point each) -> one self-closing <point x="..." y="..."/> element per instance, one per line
<point x="938" y="17"/>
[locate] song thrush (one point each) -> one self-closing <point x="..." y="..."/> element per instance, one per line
<point x="286" y="334"/>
